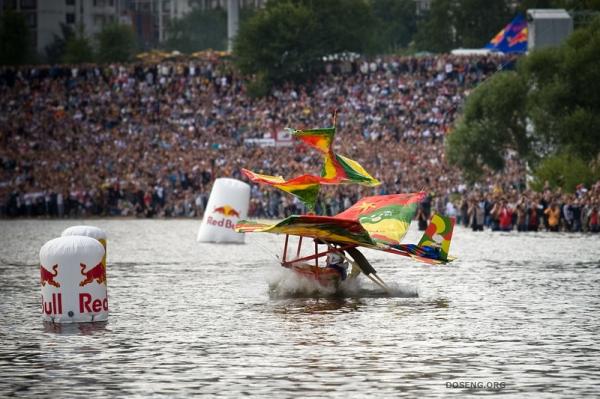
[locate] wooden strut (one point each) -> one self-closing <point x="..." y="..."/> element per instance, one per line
<point x="316" y="256"/>
<point x="299" y="245"/>
<point x="287" y="263"/>
<point x="284" y="260"/>
<point x="330" y="248"/>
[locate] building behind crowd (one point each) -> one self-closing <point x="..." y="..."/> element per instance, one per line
<point x="44" y="18"/>
<point x="149" y="18"/>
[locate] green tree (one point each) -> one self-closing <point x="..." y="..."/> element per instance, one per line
<point x="396" y="23"/>
<point x="15" y="39"/>
<point x="78" y="49"/>
<point x="493" y="122"/>
<point x="287" y="40"/>
<point x="525" y="5"/>
<point x="565" y="171"/>
<point x="116" y="43"/>
<point x="577" y="4"/>
<point x="564" y="93"/>
<point x="342" y="25"/>
<point x="477" y="21"/>
<point x="549" y="107"/>
<point x="436" y="31"/>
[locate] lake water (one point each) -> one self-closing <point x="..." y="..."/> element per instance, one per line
<point x="515" y="313"/>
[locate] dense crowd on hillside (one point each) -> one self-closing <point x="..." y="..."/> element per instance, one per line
<point x="149" y="140"/>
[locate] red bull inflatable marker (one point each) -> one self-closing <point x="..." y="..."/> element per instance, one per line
<point x="88" y="231"/>
<point x="73" y="280"/>
<point x="228" y="203"/>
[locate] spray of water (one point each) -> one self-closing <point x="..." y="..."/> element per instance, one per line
<point x="284" y="283"/>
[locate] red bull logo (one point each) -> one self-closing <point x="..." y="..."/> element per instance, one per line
<point x="47" y="277"/>
<point x="520" y="37"/>
<point x="97" y="273"/>
<point x="227" y="211"/>
<point x="498" y="38"/>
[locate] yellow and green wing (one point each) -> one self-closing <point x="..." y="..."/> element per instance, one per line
<point x="376" y="222"/>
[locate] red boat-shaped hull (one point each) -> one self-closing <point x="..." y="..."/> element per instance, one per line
<point x="325" y="276"/>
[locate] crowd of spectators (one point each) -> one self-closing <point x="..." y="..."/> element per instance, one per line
<point x="522" y="211"/>
<point x="149" y="139"/>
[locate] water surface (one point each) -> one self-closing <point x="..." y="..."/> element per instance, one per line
<point x="520" y="311"/>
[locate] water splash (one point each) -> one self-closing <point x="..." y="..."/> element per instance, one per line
<point x="284" y="283"/>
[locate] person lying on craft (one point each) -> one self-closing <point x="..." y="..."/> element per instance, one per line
<point x="337" y="262"/>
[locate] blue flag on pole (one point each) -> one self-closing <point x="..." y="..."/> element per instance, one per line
<point x="511" y="39"/>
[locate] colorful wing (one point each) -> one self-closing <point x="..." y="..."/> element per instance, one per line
<point x="320" y="139"/>
<point x="352" y="172"/>
<point x="305" y="187"/>
<point x="385" y="217"/>
<point x="326" y="228"/>
<point x="378" y="222"/>
<point x="336" y="168"/>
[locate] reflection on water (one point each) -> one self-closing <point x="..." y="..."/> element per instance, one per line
<point x="76" y="328"/>
<point x="190" y="319"/>
<point x="317" y="305"/>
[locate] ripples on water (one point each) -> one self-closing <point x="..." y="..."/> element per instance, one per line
<point x="188" y="319"/>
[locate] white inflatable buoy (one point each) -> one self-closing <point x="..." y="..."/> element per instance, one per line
<point x="88" y="231"/>
<point x="73" y="280"/>
<point x="228" y="203"/>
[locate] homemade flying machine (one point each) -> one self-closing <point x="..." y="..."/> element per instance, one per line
<point x="377" y="222"/>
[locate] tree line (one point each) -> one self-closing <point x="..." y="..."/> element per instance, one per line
<point x="365" y="26"/>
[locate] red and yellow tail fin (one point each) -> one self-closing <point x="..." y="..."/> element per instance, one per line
<point x="439" y="234"/>
<point x="336" y="168"/>
<point x="319" y="139"/>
